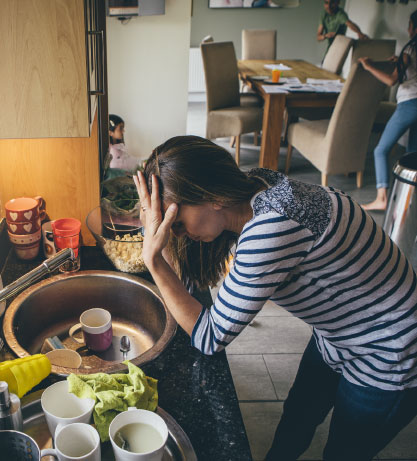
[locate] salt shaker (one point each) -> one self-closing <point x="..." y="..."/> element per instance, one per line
<point x="10" y="410"/>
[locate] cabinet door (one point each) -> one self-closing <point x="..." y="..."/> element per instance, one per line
<point x="43" y="76"/>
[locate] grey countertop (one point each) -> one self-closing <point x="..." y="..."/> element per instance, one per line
<point x="196" y="390"/>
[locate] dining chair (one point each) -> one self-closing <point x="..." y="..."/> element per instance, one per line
<point x="337" y="54"/>
<point x="339" y="145"/>
<point x="377" y="50"/>
<point x="226" y="115"/>
<point x="259" y="44"/>
<point x="333" y="62"/>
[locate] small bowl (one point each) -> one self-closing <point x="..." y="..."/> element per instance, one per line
<point x="119" y="234"/>
<point x="64" y="358"/>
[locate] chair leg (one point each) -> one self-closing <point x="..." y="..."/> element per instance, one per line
<point x="232" y="141"/>
<point x="359" y="179"/>
<point x="324" y="180"/>
<point x="288" y="159"/>
<point x="237" y="155"/>
<point x="255" y="138"/>
<point x="285" y="125"/>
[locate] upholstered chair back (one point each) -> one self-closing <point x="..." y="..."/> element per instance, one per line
<point x="337" y="54"/>
<point x="221" y="75"/>
<point x="350" y="126"/>
<point x="259" y="44"/>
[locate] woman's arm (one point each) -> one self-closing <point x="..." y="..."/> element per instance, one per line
<point x="180" y="303"/>
<point x="389" y="79"/>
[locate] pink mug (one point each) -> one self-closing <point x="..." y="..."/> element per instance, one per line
<point x="96" y="327"/>
<point x="25" y="209"/>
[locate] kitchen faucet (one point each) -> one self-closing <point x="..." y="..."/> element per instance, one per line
<point x="47" y="266"/>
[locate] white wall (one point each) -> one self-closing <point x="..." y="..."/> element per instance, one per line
<point x="381" y="20"/>
<point x="148" y="75"/>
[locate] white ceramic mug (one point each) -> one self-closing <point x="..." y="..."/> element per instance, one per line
<point x="134" y="415"/>
<point x="63" y="407"/>
<point x="97" y="329"/>
<point x="77" y="441"/>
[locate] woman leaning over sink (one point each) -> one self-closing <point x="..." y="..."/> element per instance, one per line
<point x="311" y="250"/>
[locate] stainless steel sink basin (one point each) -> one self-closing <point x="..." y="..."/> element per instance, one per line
<point x="52" y="306"/>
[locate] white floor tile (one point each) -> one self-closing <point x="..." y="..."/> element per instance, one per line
<point x="272" y="335"/>
<point x="251" y="378"/>
<point x="282" y="369"/>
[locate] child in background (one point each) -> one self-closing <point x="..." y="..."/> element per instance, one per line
<point x="121" y="163"/>
<point x="404" y="117"/>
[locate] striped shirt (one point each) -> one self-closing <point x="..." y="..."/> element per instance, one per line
<point x="316" y="253"/>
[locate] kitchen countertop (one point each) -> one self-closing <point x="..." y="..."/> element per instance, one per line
<point x="197" y="390"/>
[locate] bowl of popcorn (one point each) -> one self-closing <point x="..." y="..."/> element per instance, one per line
<point x="119" y="233"/>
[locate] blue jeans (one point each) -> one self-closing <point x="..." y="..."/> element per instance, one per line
<point x="404" y="117"/>
<point x="365" y="419"/>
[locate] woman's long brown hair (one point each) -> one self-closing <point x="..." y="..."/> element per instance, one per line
<point x="193" y="171"/>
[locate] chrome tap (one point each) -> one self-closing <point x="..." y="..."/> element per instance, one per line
<point x="47" y="266"/>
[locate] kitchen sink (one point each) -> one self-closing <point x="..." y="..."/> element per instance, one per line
<point x="52" y="306"/>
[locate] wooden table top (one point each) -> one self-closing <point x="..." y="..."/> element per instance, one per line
<point x="299" y="68"/>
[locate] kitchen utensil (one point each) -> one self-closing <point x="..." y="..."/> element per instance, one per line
<point x="66" y="233"/>
<point x="153" y="450"/>
<point x="64" y="358"/>
<point x="16" y="445"/>
<point x="125" y="346"/>
<point x="97" y="329"/>
<point x="63" y="407"/>
<point x="10" y="411"/>
<point x="75" y="442"/>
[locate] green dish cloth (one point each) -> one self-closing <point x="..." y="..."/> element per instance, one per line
<point x="114" y="394"/>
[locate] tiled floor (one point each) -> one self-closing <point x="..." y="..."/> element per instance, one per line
<point x="264" y="358"/>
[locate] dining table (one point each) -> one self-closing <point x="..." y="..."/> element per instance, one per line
<point x="277" y="105"/>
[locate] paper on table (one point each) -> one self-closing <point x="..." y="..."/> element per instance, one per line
<point x="277" y="66"/>
<point x="290" y="80"/>
<point x="322" y="81"/>
<point x="326" y="86"/>
<point x="274" y="89"/>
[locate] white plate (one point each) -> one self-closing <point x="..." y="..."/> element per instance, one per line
<point x="281" y="82"/>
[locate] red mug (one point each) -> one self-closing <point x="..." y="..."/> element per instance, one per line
<point x="25" y="209"/>
<point x="23" y="228"/>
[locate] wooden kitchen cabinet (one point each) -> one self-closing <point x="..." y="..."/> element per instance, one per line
<point x="52" y="68"/>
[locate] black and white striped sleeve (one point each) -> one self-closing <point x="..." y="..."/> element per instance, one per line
<point x="270" y="247"/>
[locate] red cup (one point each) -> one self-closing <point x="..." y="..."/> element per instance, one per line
<point x="67" y="234"/>
<point x="25" y="209"/>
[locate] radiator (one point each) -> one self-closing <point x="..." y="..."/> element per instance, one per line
<point x="196" y="82"/>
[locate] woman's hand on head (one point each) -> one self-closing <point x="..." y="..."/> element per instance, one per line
<point x="157" y="228"/>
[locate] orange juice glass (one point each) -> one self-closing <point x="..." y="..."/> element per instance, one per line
<point x="276" y="74"/>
